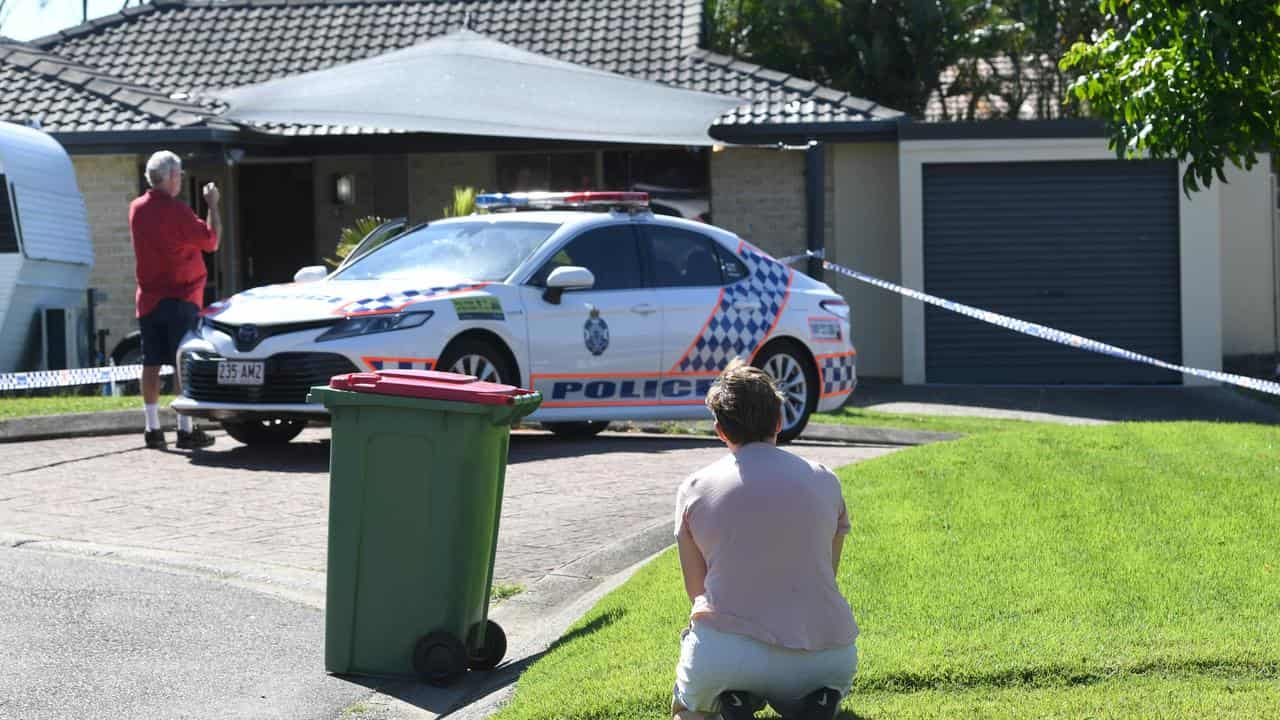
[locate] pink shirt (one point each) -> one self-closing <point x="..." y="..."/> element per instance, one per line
<point x="764" y="520"/>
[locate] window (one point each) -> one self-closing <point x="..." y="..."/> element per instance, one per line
<point x="734" y="269"/>
<point x="610" y="253"/>
<point x="8" y="229"/>
<point x="682" y="258"/>
<point x="474" y="250"/>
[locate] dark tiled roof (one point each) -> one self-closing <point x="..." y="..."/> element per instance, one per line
<point x="191" y="46"/>
<point x="62" y="95"/>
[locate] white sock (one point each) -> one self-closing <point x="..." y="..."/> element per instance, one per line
<point x="184" y="423"/>
<point x="153" y="415"/>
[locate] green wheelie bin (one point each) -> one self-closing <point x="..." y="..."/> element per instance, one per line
<point x="417" y="465"/>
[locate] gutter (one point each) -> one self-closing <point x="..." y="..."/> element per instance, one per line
<point x="803" y="133"/>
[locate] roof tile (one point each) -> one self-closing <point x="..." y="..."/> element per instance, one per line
<point x="233" y="42"/>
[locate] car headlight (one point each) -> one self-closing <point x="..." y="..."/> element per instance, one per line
<point x="369" y="324"/>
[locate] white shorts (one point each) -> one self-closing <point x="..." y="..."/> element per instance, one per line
<point x="712" y="662"/>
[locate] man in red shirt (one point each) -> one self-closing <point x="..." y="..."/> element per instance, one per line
<point x="169" y="243"/>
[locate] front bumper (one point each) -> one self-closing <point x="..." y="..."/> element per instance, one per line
<point x="184" y="405"/>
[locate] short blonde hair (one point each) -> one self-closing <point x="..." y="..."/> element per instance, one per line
<point x="160" y="165"/>
<point x="746" y="403"/>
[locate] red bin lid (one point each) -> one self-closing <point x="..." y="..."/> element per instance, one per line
<point x="429" y="385"/>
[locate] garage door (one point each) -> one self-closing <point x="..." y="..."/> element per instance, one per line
<point x="1088" y="247"/>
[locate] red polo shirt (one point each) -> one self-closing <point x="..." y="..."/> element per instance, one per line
<point x="168" y="244"/>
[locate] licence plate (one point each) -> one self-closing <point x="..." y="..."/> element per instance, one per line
<point x="235" y="372"/>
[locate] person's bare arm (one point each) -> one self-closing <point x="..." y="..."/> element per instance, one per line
<point x="837" y="545"/>
<point x="692" y="564"/>
<point x="211" y="198"/>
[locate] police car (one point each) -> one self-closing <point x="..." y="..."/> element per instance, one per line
<point x="610" y="311"/>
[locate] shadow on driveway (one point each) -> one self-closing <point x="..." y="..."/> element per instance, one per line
<point x="312" y="455"/>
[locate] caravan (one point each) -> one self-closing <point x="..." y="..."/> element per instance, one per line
<point x="46" y="254"/>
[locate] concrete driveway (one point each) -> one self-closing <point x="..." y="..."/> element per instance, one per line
<point x="224" y="523"/>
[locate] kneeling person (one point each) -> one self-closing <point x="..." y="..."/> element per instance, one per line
<point x="759" y="535"/>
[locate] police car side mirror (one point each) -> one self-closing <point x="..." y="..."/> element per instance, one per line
<point x="569" y="277"/>
<point x="310" y="273"/>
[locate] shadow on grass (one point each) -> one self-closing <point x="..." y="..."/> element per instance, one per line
<point x="590" y="628"/>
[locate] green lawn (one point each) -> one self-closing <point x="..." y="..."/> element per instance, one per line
<point x="11" y="407"/>
<point x="1118" y="571"/>
<point x="933" y="423"/>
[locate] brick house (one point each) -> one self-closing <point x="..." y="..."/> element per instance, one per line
<point x="1034" y="219"/>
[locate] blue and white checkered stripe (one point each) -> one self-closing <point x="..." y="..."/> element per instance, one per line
<point x="837" y="373"/>
<point x="392" y="302"/>
<point x="1044" y="332"/>
<point x="75" y="376"/>
<point x="735" y="330"/>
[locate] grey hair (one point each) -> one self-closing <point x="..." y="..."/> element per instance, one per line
<point x="160" y="165"/>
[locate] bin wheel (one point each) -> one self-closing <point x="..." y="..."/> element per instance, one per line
<point x="491" y="653"/>
<point x="439" y="658"/>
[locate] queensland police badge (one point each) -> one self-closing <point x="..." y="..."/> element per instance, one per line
<point x="595" y="333"/>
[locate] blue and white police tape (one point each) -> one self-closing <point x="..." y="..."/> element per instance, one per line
<point x="74" y="376"/>
<point x="1041" y="331"/>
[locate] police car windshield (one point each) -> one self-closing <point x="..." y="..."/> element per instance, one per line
<point x="470" y="250"/>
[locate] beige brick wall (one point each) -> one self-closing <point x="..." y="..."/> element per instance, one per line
<point x="109" y="183"/>
<point x="759" y="194"/>
<point x="432" y="179"/>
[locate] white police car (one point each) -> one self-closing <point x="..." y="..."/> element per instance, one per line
<point x="613" y="315"/>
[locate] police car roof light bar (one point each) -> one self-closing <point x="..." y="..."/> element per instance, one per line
<point x="553" y="200"/>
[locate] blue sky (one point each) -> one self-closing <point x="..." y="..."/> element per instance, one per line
<point x="26" y="20"/>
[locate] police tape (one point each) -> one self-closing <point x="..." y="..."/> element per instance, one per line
<point x="1040" y="331"/>
<point x="74" y="376"/>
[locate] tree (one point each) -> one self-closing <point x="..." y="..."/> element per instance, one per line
<point x="1197" y="82"/>
<point x="889" y="51"/>
<point x="1011" y="67"/>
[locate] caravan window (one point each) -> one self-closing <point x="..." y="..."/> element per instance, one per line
<point x="8" y="232"/>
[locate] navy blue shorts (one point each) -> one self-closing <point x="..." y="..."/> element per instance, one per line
<point x="163" y="329"/>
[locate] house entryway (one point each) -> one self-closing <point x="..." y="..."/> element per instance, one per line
<point x="277" y="221"/>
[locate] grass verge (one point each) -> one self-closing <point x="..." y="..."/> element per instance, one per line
<point x="1128" y="570"/>
<point x="932" y="423"/>
<point x="61" y="405"/>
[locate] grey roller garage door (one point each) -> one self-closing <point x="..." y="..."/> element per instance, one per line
<point x="1088" y="247"/>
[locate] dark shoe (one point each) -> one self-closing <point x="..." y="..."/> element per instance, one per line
<point x="739" y="705"/>
<point x="821" y="704"/>
<point x="194" y="440"/>
<point x="154" y="439"/>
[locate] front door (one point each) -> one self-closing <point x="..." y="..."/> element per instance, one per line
<point x="277" y="221"/>
<point x="600" y="347"/>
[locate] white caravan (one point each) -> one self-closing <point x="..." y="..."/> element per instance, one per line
<point x="46" y="254"/>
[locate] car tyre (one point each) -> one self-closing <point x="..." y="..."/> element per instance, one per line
<point x="583" y="430"/>
<point x="268" y="431"/>
<point x="797" y="379"/>
<point x="479" y="357"/>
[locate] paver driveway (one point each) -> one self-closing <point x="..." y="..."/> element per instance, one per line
<point x="270" y="505"/>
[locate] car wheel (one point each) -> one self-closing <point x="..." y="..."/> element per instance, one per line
<point x="583" y="430"/>
<point x="268" y="431"/>
<point x="797" y="380"/>
<point x="480" y="358"/>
